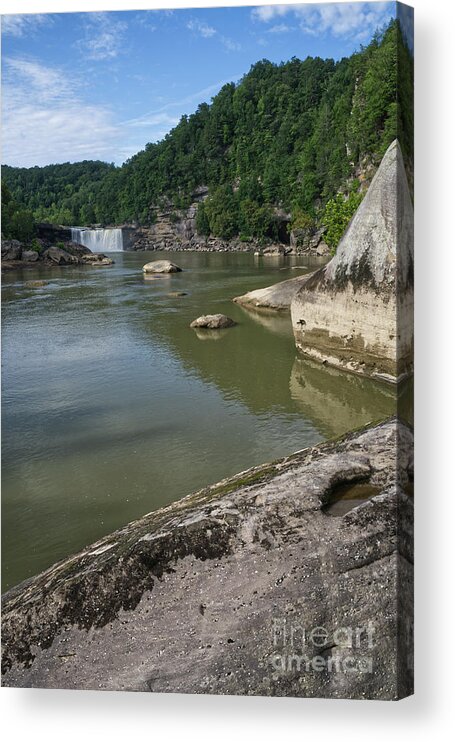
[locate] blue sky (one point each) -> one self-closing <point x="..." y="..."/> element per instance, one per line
<point x="101" y="85"/>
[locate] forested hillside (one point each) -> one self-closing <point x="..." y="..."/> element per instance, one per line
<point x="288" y="136"/>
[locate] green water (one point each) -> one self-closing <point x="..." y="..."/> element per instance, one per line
<point x="113" y="406"/>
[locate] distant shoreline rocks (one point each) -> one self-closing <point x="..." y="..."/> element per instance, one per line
<point x="16" y="255"/>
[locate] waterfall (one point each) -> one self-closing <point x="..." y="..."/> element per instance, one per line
<point x="98" y="240"/>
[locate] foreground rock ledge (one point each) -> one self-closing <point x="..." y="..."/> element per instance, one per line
<point x="186" y="599"/>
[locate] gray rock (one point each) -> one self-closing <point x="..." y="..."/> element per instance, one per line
<point x="11" y="250"/>
<point x="348" y="313"/>
<point x="161" y="266"/>
<point x="97" y="260"/>
<point x="213" y="321"/>
<point x="177" y="294"/>
<point x="322" y="249"/>
<point x="194" y="598"/>
<point x="59" y="257"/>
<point x="30" y="256"/>
<point x="277" y="297"/>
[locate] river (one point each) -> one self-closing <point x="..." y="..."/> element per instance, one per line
<point x="113" y="406"/>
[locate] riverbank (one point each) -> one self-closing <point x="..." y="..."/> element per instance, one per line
<point x="194" y="597"/>
<point x="17" y="255"/>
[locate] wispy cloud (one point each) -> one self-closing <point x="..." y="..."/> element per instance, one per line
<point x="358" y="20"/>
<point x="202" y="29"/>
<point x="161" y="115"/>
<point x="104" y="36"/>
<point x="44" y="119"/>
<point x="208" y="32"/>
<point x="24" y="25"/>
<point x="281" y="28"/>
<point x="230" y="44"/>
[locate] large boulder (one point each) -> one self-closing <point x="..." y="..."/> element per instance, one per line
<point x="59" y="256"/>
<point x="161" y="266"/>
<point x="213" y="322"/>
<point x="277" y="297"/>
<point x="11" y="250"/>
<point x="30" y="256"/>
<point x="75" y="248"/>
<point x="356" y="312"/>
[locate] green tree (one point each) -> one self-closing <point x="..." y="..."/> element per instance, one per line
<point x="337" y="215"/>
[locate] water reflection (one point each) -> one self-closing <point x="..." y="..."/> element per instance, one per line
<point x="337" y="401"/>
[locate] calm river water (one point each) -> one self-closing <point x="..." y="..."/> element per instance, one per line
<point x="113" y="406"/>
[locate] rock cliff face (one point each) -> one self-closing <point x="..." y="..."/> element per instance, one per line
<point x="357" y="311"/>
<point x="221" y="591"/>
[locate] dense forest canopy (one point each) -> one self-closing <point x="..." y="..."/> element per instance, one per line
<point x="289" y="136"/>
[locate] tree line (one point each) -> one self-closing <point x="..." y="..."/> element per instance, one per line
<point x="288" y="136"/>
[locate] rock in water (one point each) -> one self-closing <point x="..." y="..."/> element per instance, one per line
<point x="357" y="312"/>
<point x="161" y="266"/>
<point x="277" y="297"/>
<point x="213" y="322"/>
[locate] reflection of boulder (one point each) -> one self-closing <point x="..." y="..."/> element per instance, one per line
<point x="335" y="401"/>
<point x="356" y="312"/>
<point x="276" y="322"/>
<point x="204" y="334"/>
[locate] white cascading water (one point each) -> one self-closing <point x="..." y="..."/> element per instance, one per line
<point x="98" y="240"/>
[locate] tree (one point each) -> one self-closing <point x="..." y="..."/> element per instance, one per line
<point x="337" y="215"/>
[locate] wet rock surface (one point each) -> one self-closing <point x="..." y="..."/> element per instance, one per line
<point x="195" y="597"/>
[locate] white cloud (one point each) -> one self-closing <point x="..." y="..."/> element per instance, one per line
<point x="280" y="28"/>
<point x="207" y="32"/>
<point x="44" y="119"/>
<point x="202" y="29"/>
<point x="24" y="25"/>
<point x="358" y="20"/>
<point x="232" y="46"/>
<point x="104" y="36"/>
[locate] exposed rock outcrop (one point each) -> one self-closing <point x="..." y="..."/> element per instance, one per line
<point x="196" y="597"/>
<point x="357" y="312"/>
<point x="213" y="322"/>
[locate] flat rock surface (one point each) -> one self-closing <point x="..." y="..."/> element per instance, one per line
<point x="196" y="597"/>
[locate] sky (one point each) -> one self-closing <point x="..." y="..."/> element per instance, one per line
<point x="101" y="85"/>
